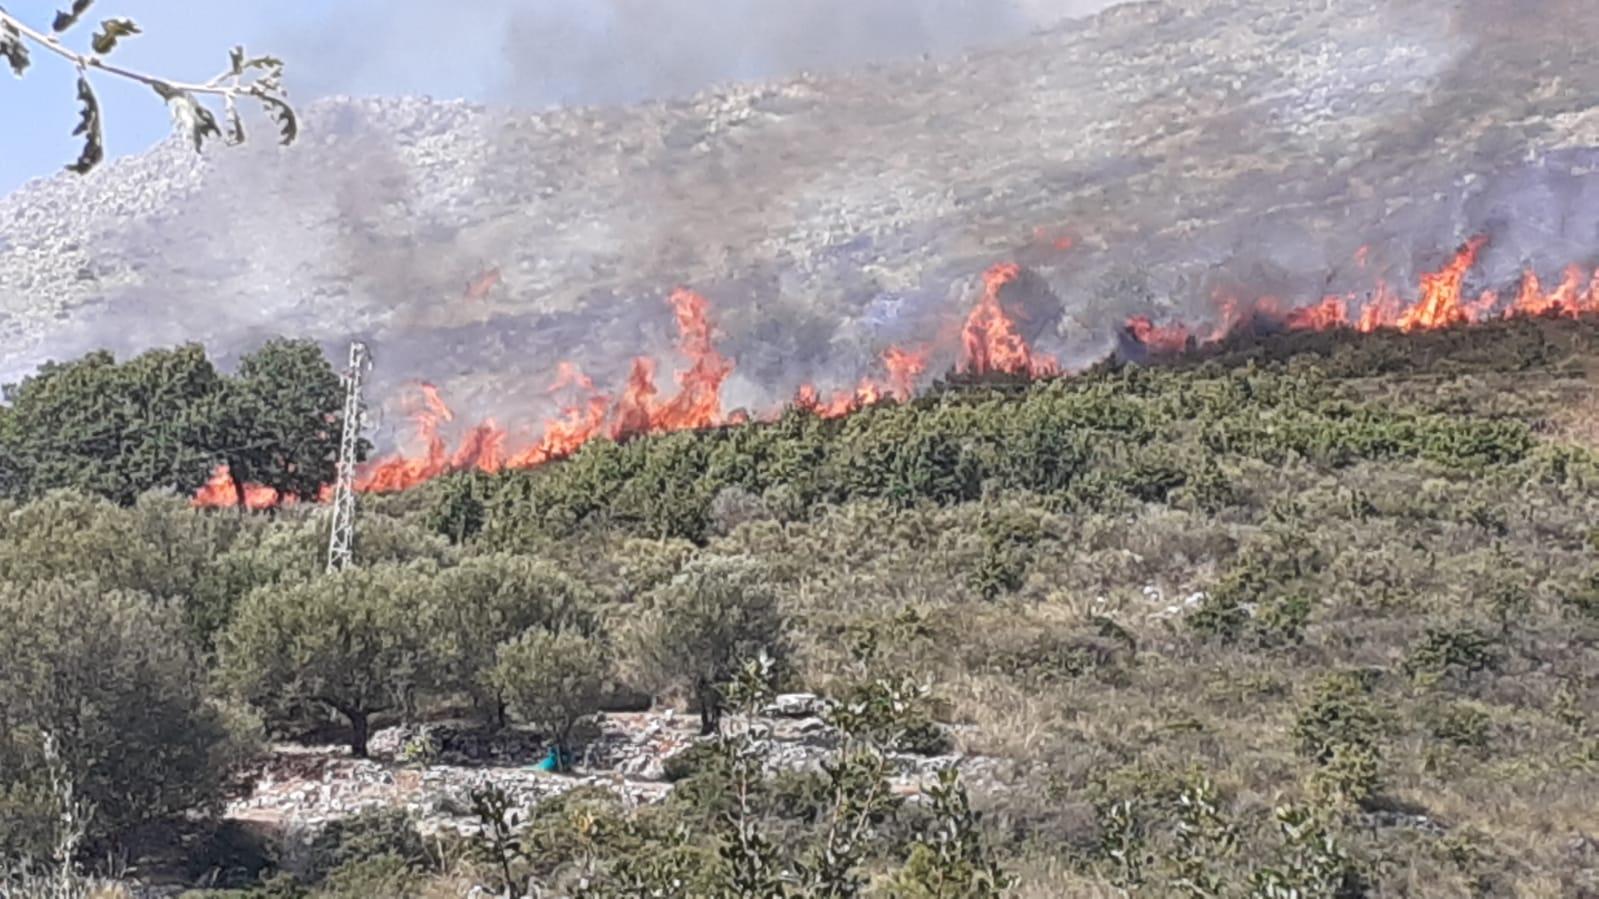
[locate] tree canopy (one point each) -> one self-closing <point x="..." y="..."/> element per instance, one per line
<point x="165" y="419"/>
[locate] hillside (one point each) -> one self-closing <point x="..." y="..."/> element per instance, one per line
<point x="1156" y="457"/>
<point x="1165" y="608"/>
<point x="1176" y="146"/>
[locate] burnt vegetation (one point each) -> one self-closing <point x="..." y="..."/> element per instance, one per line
<point x="1314" y="614"/>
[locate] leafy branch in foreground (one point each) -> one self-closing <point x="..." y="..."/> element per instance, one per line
<point x="253" y="78"/>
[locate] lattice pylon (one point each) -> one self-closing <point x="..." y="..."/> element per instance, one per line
<point x="341" y="543"/>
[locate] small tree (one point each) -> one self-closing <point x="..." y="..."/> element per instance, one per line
<point x="717" y="612"/>
<point x="113" y="429"/>
<point x="280" y="420"/>
<point x="552" y="681"/>
<point x="488" y="600"/>
<point x="351" y="642"/>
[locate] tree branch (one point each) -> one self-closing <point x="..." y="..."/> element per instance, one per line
<point x="264" y="85"/>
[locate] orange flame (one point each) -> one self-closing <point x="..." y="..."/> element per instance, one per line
<point x="639" y="410"/>
<point x="1165" y="340"/>
<point x="220" y="493"/>
<point x="904" y="368"/>
<point x="1441" y="302"/>
<point x="990" y="342"/>
<point x="479" y="288"/>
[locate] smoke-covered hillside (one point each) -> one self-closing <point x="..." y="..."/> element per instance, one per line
<point x="1134" y="162"/>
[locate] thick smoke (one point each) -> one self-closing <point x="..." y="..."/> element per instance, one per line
<point x="564" y="52"/>
<point x="1186" y="148"/>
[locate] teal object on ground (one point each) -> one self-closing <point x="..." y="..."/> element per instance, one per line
<point x="555" y="761"/>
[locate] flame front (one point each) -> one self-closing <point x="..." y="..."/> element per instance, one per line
<point x="1441" y="302"/>
<point x="990" y="343"/>
<point x="221" y="493"/>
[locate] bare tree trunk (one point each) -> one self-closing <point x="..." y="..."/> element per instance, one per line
<point x="359" y="731"/>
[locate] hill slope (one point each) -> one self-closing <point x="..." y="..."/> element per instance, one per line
<point x="1176" y="144"/>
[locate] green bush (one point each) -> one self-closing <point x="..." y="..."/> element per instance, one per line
<point x="371" y="834"/>
<point x="552" y="681"/>
<point x="1451" y="652"/>
<point x="1462" y="725"/>
<point x="111" y="680"/>
<point x="695" y="630"/>
<point x="1340" y="713"/>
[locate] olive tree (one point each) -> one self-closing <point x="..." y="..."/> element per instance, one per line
<point x="109" y="679"/>
<point x="488" y="600"/>
<point x="697" y="629"/>
<point x="552" y="681"/>
<point x="351" y="642"/>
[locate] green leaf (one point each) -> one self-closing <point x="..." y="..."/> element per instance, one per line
<point x="111" y="31"/>
<point x="283" y="114"/>
<point x="89" y="129"/>
<point x="205" y="125"/>
<point x="65" y="20"/>
<point x="12" y="49"/>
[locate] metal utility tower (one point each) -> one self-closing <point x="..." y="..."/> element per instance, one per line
<point x="342" y="541"/>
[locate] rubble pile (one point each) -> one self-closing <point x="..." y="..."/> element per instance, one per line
<point x="299" y="790"/>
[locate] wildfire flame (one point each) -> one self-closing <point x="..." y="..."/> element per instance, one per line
<point x="904" y="367"/>
<point x="479" y="288"/>
<point x="640" y="410"/>
<point x="221" y="493"/>
<point x="989" y="343"/>
<point x="1441" y="302"/>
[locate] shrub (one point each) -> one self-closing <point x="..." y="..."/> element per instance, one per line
<point x="1461" y="724"/>
<point x="1340" y="714"/>
<point x="369" y="834"/>
<point x="1451" y="652"/>
<point x="110" y="678"/>
<point x="368" y="876"/>
<point x="351" y="642"/>
<point x="1281" y="621"/>
<point x="475" y="607"/>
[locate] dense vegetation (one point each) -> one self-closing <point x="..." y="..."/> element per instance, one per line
<point x="165" y="420"/>
<point x="1318" y="612"/>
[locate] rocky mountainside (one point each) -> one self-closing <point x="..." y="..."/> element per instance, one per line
<point x="1133" y="161"/>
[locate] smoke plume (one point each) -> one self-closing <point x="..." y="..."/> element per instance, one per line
<point x="562" y="52"/>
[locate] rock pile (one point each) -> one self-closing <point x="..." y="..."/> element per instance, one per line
<point x="299" y="790"/>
